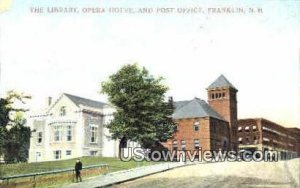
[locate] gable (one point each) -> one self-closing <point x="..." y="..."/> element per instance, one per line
<point x="63" y="101"/>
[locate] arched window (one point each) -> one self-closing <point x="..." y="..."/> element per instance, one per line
<point x="62" y="111"/>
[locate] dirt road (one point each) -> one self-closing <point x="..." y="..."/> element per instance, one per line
<point x="225" y="174"/>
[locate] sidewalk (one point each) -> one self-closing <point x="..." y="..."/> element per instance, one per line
<point x="126" y="175"/>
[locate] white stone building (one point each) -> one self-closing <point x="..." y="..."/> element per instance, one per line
<point x="71" y="127"/>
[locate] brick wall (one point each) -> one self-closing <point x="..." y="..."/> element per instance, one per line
<point x="224" y="101"/>
<point x="211" y="134"/>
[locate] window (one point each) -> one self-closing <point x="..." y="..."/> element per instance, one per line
<point x="93" y="153"/>
<point x="240" y="140"/>
<point x="240" y="129"/>
<point x="247" y="141"/>
<point x="255" y="140"/>
<point x="62" y="111"/>
<point x="57" y="133"/>
<point x="196" y="144"/>
<point x="223" y="94"/>
<point x="57" y="154"/>
<point x="183" y="145"/>
<point x="69" y="133"/>
<point x="213" y="96"/>
<point x="175" y="146"/>
<point x="68" y="152"/>
<point x="196" y="126"/>
<point x="247" y="128"/>
<point x="39" y="137"/>
<point x="266" y="139"/>
<point x="254" y="128"/>
<point x="93" y="129"/>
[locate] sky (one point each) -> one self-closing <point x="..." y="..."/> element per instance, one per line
<point x="51" y="53"/>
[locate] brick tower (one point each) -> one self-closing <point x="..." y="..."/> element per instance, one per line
<point x="222" y="98"/>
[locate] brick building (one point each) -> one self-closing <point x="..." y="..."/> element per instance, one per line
<point x="261" y="134"/>
<point x="296" y="133"/>
<point x="214" y="125"/>
<point x="209" y="126"/>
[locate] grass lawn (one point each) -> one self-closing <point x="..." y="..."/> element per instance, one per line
<point x="24" y="168"/>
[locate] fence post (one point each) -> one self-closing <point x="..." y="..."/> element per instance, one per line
<point x="34" y="184"/>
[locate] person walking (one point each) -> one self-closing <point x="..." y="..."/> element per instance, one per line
<point x="78" y="167"/>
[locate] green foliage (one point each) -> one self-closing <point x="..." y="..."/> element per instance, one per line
<point x="14" y="136"/>
<point x="142" y="114"/>
<point x="17" y="145"/>
<point x="4" y="112"/>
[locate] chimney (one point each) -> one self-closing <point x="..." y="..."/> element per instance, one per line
<point x="49" y="101"/>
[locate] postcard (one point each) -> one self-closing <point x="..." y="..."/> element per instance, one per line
<point x="124" y="93"/>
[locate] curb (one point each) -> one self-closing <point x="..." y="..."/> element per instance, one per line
<point x="141" y="176"/>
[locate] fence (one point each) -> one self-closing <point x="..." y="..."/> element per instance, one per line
<point x="50" y="177"/>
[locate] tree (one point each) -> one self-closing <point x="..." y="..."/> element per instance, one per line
<point x="14" y="136"/>
<point x="142" y="113"/>
<point x="18" y="140"/>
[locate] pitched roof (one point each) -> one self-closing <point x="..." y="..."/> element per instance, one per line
<point x="194" y="108"/>
<point x="179" y="104"/>
<point x="85" y="102"/>
<point x="221" y="81"/>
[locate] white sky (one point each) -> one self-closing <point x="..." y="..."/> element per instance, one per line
<point x="45" y="55"/>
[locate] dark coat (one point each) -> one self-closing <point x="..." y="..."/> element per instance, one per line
<point x="78" y="166"/>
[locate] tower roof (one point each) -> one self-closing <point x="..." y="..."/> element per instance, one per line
<point x="193" y="109"/>
<point x="221" y="81"/>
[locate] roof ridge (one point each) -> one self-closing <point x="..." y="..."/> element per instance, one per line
<point x="85" y="101"/>
<point x="82" y="98"/>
